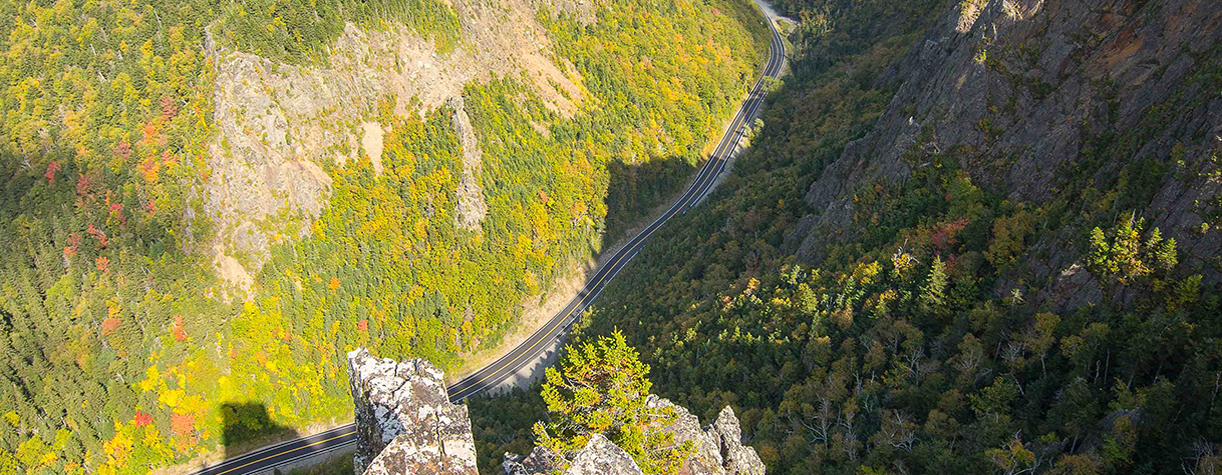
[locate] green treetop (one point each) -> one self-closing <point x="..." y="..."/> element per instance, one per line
<point x="601" y="387"/>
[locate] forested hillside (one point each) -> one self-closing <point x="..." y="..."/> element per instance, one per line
<point x="125" y="348"/>
<point x="907" y="274"/>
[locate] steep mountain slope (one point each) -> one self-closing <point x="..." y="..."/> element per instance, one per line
<point x="971" y="237"/>
<point x="206" y="204"/>
<point x="1079" y="110"/>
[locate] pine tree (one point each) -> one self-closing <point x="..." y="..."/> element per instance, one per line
<point x="601" y="388"/>
<point x="1098" y="263"/>
<point x="1163" y="254"/>
<point x="933" y="293"/>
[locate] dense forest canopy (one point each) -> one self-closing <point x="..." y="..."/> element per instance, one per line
<point x="123" y="351"/>
<point x="893" y="352"/>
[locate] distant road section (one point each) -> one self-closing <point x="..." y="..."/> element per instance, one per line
<point x="268" y="458"/>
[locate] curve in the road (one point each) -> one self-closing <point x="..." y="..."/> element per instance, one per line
<point x="267" y="458"/>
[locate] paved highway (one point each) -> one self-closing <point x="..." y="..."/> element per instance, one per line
<point x="490" y="376"/>
<point x="267" y="458"/>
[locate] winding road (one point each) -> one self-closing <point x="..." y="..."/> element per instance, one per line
<point x="268" y="458"/>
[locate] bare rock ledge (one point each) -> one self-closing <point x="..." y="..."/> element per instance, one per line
<point x="405" y="421"/>
<point x="719" y="450"/>
<point x="407" y="425"/>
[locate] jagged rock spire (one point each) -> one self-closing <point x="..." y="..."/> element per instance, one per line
<point x="405" y="421"/>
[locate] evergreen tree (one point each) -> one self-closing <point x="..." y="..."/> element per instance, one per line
<point x="601" y="388"/>
<point x="933" y="293"/>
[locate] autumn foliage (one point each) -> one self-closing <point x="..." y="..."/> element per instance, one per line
<point x="135" y="326"/>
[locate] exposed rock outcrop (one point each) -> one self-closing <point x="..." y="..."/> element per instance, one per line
<point x="1021" y="91"/>
<point x="406" y="424"/>
<point x="735" y="457"/>
<point x="600" y="456"/>
<point x="718" y="450"/>
<point x="405" y="421"/>
<point x="279" y="126"/>
<point x="471" y="207"/>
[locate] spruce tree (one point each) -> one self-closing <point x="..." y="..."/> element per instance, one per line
<point x="601" y="387"/>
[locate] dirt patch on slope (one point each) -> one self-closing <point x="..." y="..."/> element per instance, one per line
<point x="371" y="141"/>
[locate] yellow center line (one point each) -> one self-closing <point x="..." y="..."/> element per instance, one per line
<point x="285" y="452"/>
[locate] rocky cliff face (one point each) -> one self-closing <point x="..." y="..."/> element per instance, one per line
<point x="405" y="421"/>
<point x="719" y="450"/>
<point x="407" y="425"/>
<point x="280" y="124"/>
<point x="1025" y="93"/>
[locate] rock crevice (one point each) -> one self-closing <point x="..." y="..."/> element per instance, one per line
<point x="405" y="421"/>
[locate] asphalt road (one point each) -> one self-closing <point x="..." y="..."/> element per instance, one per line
<point x="490" y="376"/>
<point x="267" y="458"/>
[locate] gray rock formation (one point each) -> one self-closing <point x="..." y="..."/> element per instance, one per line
<point x="602" y="457"/>
<point x="405" y="421"/>
<point x="1020" y="91"/>
<point x="471" y="207"/>
<point x="735" y="457"/>
<point x="407" y="425"/>
<point x="719" y="447"/>
<point x="540" y="460"/>
<point x="719" y="450"/>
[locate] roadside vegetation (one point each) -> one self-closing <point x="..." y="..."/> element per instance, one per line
<point x="120" y="348"/>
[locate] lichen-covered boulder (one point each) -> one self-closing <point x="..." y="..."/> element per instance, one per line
<point x="405" y="421"/>
<point x="718" y="450"/>
<point x="601" y="457"/>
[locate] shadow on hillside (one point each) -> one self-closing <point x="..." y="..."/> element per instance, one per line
<point x="248" y="427"/>
<point x="636" y="189"/>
